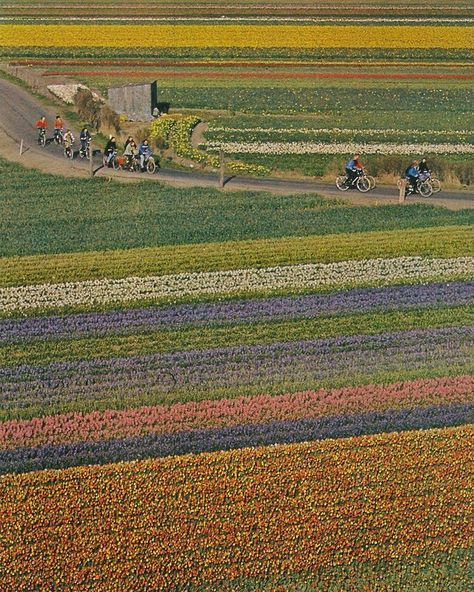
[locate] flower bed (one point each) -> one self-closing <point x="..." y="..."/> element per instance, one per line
<point x="254" y="511"/>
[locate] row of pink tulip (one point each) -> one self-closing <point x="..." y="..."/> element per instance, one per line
<point x="114" y="423"/>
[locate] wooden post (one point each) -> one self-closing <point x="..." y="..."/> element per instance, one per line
<point x="221" y="169"/>
<point x="21" y="147"/>
<point x="91" y="163"/>
<point x="402" y="185"/>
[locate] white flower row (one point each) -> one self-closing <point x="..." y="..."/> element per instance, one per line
<point x="304" y="276"/>
<point x="253" y="19"/>
<point x="337" y="130"/>
<point x="281" y="148"/>
<point x="67" y="92"/>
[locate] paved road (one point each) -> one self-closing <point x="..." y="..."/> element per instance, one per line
<point x="20" y="110"/>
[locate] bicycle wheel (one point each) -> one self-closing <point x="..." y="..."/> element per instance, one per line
<point x="425" y="189"/>
<point x="371" y="181"/>
<point x="115" y="164"/>
<point x="341" y="183"/>
<point x="68" y="153"/>
<point x="42" y="140"/>
<point x="435" y="185"/>
<point x="150" y="166"/>
<point x="363" y="184"/>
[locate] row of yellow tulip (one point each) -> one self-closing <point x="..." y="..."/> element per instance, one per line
<point x="257" y="36"/>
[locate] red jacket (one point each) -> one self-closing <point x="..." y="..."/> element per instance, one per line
<point x="58" y="123"/>
<point x="41" y="124"/>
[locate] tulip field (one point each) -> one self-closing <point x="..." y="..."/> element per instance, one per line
<point x="202" y="398"/>
<point x="205" y="391"/>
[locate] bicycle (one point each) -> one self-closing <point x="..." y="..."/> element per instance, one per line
<point x="150" y="165"/>
<point x="434" y="182"/>
<point x="371" y="181"/>
<point x="361" y="182"/>
<point x="68" y="152"/>
<point x="131" y="164"/>
<point x="85" y="151"/>
<point x="423" y="187"/>
<point x="113" y="162"/>
<point x="58" y="136"/>
<point x="42" y="137"/>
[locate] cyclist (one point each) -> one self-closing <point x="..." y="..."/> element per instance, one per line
<point x="424" y="169"/>
<point x="68" y="141"/>
<point x="84" y="138"/>
<point x="129" y="139"/>
<point x="41" y="126"/>
<point x="58" y="128"/>
<point x="145" y="152"/>
<point x="353" y="168"/>
<point x="130" y="152"/>
<point x="412" y="174"/>
<point x="110" y="150"/>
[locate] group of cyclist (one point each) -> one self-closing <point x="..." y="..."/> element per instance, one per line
<point x="131" y="154"/>
<point x="66" y="138"/>
<point x="415" y="172"/>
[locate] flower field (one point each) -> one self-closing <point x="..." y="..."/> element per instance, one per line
<point x="255" y="65"/>
<point x="205" y="391"/>
<point x="258" y="36"/>
<point x="232" y="401"/>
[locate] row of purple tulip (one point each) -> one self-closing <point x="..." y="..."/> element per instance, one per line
<point x="345" y="301"/>
<point x="250" y="435"/>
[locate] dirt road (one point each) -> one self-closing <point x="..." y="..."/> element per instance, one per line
<point x="20" y="110"/>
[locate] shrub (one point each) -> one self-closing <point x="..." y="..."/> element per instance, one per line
<point x="88" y="108"/>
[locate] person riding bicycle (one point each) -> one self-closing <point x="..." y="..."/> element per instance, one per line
<point x="85" y="139"/>
<point x="424" y="169"/>
<point x="41" y="126"/>
<point x="412" y="174"/>
<point x="353" y="168"/>
<point x="127" y="142"/>
<point x="145" y="152"/>
<point x="131" y="152"/>
<point x="110" y="150"/>
<point x="68" y="139"/>
<point x="58" y="128"/>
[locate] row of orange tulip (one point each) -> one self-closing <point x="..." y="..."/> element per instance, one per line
<point x="246" y="513"/>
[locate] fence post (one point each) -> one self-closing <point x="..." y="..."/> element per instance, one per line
<point x="21" y="147"/>
<point x="402" y="184"/>
<point x="91" y="164"/>
<point x="221" y="169"/>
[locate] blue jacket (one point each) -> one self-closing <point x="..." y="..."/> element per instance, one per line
<point x="144" y="149"/>
<point x="412" y="171"/>
<point x="351" y="164"/>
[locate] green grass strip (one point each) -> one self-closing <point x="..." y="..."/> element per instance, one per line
<point x="443" y="241"/>
<point x="39" y="215"/>
<point x="226" y="335"/>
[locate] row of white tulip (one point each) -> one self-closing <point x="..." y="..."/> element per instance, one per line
<point x="282" y="148"/>
<point x="251" y="19"/>
<point x="240" y="281"/>
<point x="338" y="131"/>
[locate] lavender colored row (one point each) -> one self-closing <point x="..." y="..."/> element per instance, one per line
<point x="242" y="436"/>
<point x="156" y="376"/>
<point x="290" y="307"/>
